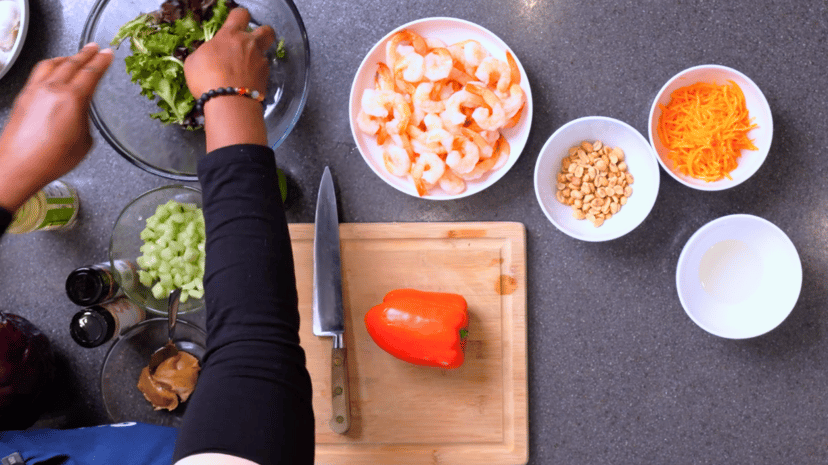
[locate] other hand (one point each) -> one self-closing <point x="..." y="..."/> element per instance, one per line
<point x="47" y="134"/>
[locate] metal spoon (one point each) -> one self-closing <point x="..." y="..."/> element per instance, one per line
<point x="169" y="349"/>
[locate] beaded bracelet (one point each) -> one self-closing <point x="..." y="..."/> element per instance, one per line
<point x="242" y="91"/>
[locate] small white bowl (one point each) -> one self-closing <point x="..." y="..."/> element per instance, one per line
<point x="739" y="276"/>
<point x="758" y="110"/>
<point x="641" y="164"/>
<point x="450" y="31"/>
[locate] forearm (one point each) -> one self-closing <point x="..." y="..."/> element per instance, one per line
<point x="253" y="398"/>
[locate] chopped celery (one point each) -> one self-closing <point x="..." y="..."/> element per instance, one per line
<point x="173" y="251"/>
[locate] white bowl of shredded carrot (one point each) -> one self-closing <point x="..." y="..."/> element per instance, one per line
<point x="639" y="163"/>
<point x="739" y="276"/>
<point x="711" y="127"/>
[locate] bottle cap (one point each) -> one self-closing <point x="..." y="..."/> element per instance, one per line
<point x="86" y="286"/>
<point x="92" y="327"/>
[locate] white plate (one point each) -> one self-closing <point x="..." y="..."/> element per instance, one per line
<point x="7" y="59"/>
<point x="450" y="31"/>
<point x="739" y="276"/>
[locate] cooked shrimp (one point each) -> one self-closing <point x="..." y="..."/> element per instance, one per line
<point x="438" y="64"/>
<point x="367" y="123"/>
<point x="396" y="159"/>
<point x="464" y="156"/>
<point x="392" y="51"/>
<point x="436" y="131"/>
<point x="513" y="67"/>
<point x="503" y="150"/>
<point x="384" y="79"/>
<point x="433" y="42"/>
<point x="452" y="184"/>
<point x="420" y="142"/>
<point x="423" y="100"/>
<point x="490" y="137"/>
<point x="427" y="170"/>
<point x="497" y="160"/>
<point x="455" y="103"/>
<point x="468" y="55"/>
<point x="486" y="149"/>
<point x="513" y="101"/>
<point x="494" y="72"/>
<point x="410" y="67"/>
<point x="380" y="103"/>
<point x="491" y="118"/>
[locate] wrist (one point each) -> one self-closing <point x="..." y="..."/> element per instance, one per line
<point x="232" y="120"/>
<point x="17" y="184"/>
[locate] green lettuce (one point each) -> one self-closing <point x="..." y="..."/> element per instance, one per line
<point x="153" y="64"/>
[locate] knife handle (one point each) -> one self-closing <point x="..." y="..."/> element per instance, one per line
<point x="340" y="397"/>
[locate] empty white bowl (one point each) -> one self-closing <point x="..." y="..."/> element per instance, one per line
<point x="641" y="164"/>
<point x="739" y="276"/>
<point x="758" y="110"/>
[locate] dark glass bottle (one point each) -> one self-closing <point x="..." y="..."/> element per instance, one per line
<point x="91" y="285"/>
<point x="98" y="324"/>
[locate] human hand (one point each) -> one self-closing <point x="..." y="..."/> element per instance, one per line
<point x="232" y="58"/>
<point x="48" y="131"/>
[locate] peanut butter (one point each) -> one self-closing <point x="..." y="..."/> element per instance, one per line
<point x="173" y="381"/>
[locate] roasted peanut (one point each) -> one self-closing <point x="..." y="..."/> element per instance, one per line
<point x="594" y="180"/>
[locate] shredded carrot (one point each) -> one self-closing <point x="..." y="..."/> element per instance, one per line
<point x="705" y="128"/>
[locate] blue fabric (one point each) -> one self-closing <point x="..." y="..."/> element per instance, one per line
<point x="120" y="443"/>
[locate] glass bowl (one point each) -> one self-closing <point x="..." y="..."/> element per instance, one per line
<point x="124" y="361"/>
<point x="121" y="113"/>
<point x="126" y="242"/>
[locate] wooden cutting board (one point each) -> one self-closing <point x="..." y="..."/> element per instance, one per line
<point x="406" y="414"/>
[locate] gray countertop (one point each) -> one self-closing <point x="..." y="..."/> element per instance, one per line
<point x="617" y="372"/>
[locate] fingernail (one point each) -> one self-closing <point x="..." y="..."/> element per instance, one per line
<point x="90" y="44"/>
<point x="107" y="51"/>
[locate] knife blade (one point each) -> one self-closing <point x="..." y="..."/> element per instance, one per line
<point x="328" y="313"/>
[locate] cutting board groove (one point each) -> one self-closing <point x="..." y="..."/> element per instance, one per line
<point x="406" y="414"/>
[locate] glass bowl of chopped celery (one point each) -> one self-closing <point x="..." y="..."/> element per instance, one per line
<point x="149" y="122"/>
<point x="157" y="245"/>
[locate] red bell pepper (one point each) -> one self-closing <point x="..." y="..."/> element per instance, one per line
<point x="423" y="328"/>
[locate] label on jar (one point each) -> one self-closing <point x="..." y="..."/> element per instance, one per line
<point x="61" y="206"/>
<point x="126" y="314"/>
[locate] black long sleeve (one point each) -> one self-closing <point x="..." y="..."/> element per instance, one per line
<point x="253" y="397"/>
<point x="5" y="220"/>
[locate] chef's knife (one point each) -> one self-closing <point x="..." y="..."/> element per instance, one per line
<point x="328" y="314"/>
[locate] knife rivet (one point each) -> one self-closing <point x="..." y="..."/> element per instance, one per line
<point x="340" y="419"/>
<point x="337" y="361"/>
<point x="337" y="391"/>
